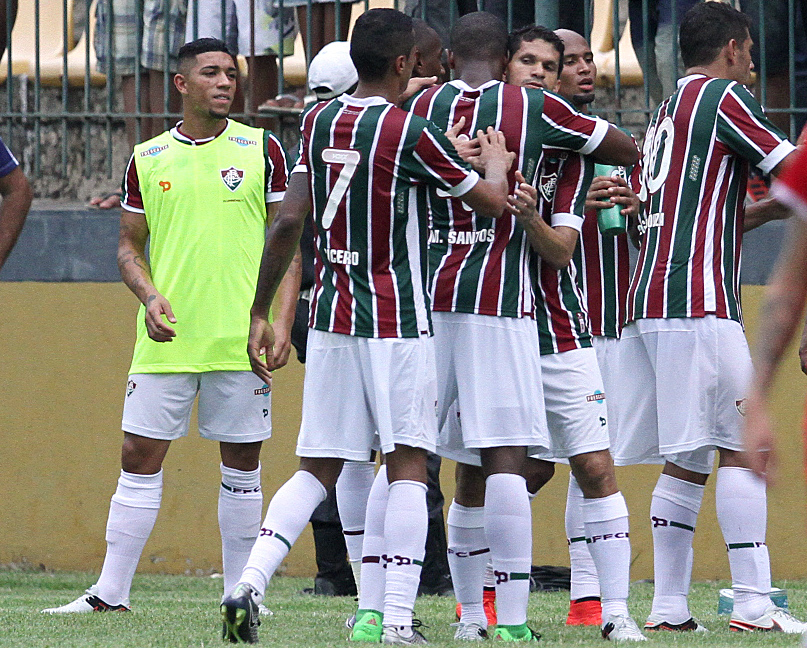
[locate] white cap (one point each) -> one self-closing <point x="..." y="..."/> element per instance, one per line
<point x="332" y="72"/>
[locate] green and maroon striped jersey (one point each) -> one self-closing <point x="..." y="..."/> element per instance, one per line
<point x="477" y="264"/>
<point x="695" y="166"/>
<point x="562" y="181"/>
<point x="364" y="157"/>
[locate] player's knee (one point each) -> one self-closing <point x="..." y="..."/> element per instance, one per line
<point x="538" y="473"/>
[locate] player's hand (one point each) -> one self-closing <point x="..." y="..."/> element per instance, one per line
<point x="493" y="149"/>
<point x="415" y="85"/>
<point x="467" y="148"/>
<point x="607" y="191"/>
<point x="261" y="343"/>
<point x="282" y="348"/>
<point x="759" y="439"/>
<point x="523" y="201"/>
<point x="157" y="306"/>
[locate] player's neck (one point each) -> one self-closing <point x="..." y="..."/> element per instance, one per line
<point x="199" y="127"/>
<point x="388" y="88"/>
<point x="477" y="73"/>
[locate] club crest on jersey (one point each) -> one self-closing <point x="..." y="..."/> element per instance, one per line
<point x="741" y="406"/>
<point x="547" y="184"/>
<point x="130" y="387"/>
<point x="232" y="177"/>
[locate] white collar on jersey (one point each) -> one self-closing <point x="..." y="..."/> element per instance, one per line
<point x="684" y="80"/>
<point x="363" y="102"/>
<point x="461" y="85"/>
<point x="181" y="137"/>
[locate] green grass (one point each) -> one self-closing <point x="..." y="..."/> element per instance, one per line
<point x="182" y="611"/>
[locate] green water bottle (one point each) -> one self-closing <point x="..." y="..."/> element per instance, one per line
<point x="610" y="220"/>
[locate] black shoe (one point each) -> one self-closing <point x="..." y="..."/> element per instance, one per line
<point x="239" y="611"/>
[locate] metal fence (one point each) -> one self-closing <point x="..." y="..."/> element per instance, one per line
<point x="65" y="118"/>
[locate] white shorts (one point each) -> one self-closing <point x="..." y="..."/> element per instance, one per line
<point x="491" y="367"/>
<point x="683" y="382"/>
<point x="576" y="404"/>
<point x="356" y="387"/>
<point x="234" y="406"/>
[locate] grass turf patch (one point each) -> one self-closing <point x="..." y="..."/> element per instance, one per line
<point x="182" y="612"/>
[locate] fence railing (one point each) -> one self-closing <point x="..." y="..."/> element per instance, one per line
<point x="77" y="73"/>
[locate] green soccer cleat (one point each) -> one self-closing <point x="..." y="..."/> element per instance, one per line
<point x="239" y="612"/>
<point x="515" y="633"/>
<point x="367" y="627"/>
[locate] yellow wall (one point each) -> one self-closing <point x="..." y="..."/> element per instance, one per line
<point x="64" y="353"/>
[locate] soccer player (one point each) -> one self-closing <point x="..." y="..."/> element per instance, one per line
<point x="783" y="306"/>
<point x="573" y="386"/>
<point x="684" y="363"/>
<point x="201" y="195"/>
<point x="370" y="361"/>
<point x="17" y="196"/>
<point x="485" y="336"/>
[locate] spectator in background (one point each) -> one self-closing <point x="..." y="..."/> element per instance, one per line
<point x="662" y="69"/>
<point x="117" y="48"/>
<point x="17" y="196"/>
<point x="273" y="32"/>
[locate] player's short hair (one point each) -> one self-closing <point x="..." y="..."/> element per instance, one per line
<point x="379" y="37"/>
<point x="423" y="32"/>
<point x="189" y="51"/>
<point x="707" y="28"/>
<point x="531" y="33"/>
<point x="479" y="36"/>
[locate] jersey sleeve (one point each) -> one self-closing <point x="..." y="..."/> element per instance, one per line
<point x="132" y="200"/>
<point x="744" y="128"/>
<point x="790" y="187"/>
<point x="436" y="161"/>
<point x="277" y="172"/>
<point x="569" y="203"/>
<point x="7" y="161"/>
<point x="564" y="127"/>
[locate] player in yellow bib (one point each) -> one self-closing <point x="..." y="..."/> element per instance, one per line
<point x="201" y="195"/>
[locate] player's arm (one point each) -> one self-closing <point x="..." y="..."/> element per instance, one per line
<point x="285" y="304"/>
<point x="780" y="314"/>
<point x="488" y="197"/>
<point x="555" y="245"/>
<point x="282" y="242"/>
<point x="763" y="212"/>
<point x="136" y="274"/>
<point x="616" y="148"/>
<point x="17" y="196"/>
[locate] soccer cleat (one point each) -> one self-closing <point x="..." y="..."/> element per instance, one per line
<point x="515" y="633"/>
<point x="774" y="619"/>
<point x="264" y="611"/>
<point x="655" y="623"/>
<point x="87" y="602"/>
<point x="622" y="628"/>
<point x="239" y="611"/>
<point x="489" y="605"/>
<point x="350" y="622"/>
<point x="367" y="626"/>
<point x="585" y="612"/>
<point x="470" y="632"/>
<point x="405" y="635"/>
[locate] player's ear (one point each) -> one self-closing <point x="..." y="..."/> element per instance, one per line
<point x="180" y="83"/>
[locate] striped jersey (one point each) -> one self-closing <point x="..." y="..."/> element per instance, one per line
<point x="481" y="265"/>
<point x="696" y="154"/>
<point x="364" y="158"/>
<point x="603" y="271"/>
<point x="562" y="181"/>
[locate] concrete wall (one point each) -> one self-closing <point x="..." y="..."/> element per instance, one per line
<point x="64" y="352"/>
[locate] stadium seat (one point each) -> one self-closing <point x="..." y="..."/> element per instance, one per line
<point x="52" y="69"/>
<point x="602" y="44"/>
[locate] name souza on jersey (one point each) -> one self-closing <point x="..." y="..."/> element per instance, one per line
<point x="463" y="238"/>
<point x="650" y="220"/>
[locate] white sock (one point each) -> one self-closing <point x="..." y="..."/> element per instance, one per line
<point x="373" y="575"/>
<point x="405" y="526"/>
<point x="508" y="527"/>
<point x="608" y="539"/>
<point x="673" y="514"/>
<point x="490" y="577"/>
<point x="352" y="491"/>
<point x="132" y="513"/>
<point x="742" y="512"/>
<point x="286" y="517"/>
<point x="468" y="555"/>
<point x="585" y="582"/>
<point x="240" y="508"/>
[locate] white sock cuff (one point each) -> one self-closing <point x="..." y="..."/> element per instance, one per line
<point x="742" y="479"/>
<point x="603" y="509"/>
<point x="466" y="517"/>
<point x="407" y="482"/>
<point x="139" y="491"/>
<point x="309" y="481"/>
<point x="680" y="492"/>
<point x="574" y="488"/>
<point x="357" y="469"/>
<point x="240" y="481"/>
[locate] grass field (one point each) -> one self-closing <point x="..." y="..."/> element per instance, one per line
<point x="179" y="611"/>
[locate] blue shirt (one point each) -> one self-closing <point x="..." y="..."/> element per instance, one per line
<point x="7" y="161"/>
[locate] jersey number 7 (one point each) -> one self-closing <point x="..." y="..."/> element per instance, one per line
<point x="349" y="159"/>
